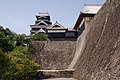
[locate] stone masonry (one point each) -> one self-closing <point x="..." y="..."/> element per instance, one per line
<point x="100" y="59"/>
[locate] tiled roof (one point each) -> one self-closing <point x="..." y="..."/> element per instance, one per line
<point x="42" y="14"/>
<point x="57" y="25"/>
<point x="91" y="8"/>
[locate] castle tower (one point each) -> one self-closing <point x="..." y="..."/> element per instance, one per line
<point x="42" y="22"/>
<point x="85" y="17"/>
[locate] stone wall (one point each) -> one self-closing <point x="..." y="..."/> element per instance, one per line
<point x="100" y="59"/>
<point x="56" y="54"/>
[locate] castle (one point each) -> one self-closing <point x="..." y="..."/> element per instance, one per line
<point x="44" y="25"/>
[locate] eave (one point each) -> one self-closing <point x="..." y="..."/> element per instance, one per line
<point x="80" y="18"/>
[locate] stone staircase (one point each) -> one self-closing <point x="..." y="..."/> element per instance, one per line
<point x="66" y="74"/>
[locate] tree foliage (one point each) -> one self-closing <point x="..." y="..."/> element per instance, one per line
<point x="39" y="37"/>
<point x="6" y="67"/>
<point x="6" y="43"/>
<point x="20" y="40"/>
<point x="8" y="39"/>
<point x="15" y="63"/>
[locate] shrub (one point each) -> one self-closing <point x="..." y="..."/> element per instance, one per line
<point x="39" y="37"/>
<point x="6" y="67"/>
<point x="16" y="65"/>
<point x="26" y="67"/>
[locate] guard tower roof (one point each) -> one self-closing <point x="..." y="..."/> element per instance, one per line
<point x="91" y="8"/>
<point x="43" y="14"/>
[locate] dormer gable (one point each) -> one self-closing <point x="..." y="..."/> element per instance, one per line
<point x="42" y="23"/>
<point x="41" y="31"/>
<point x="57" y="25"/>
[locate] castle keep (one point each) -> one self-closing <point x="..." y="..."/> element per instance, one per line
<point x="42" y="22"/>
<point x="44" y="25"/>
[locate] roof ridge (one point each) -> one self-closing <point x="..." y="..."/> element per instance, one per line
<point x="93" y="4"/>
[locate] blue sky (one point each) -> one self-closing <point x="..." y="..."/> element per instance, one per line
<point x="18" y="15"/>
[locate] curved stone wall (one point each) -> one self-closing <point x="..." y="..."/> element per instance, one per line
<point x="100" y="59"/>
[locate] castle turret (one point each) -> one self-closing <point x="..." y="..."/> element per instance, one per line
<point x="43" y="21"/>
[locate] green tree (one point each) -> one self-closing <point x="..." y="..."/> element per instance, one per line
<point x="7" y="32"/>
<point x="20" y="39"/>
<point x="6" y="45"/>
<point x="26" y="67"/>
<point x="39" y="37"/>
<point x="6" y="67"/>
<point x="17" y="65"/>
<point x="2" y="29"/>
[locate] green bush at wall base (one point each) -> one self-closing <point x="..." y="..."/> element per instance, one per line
<point x="39" y="37"/>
